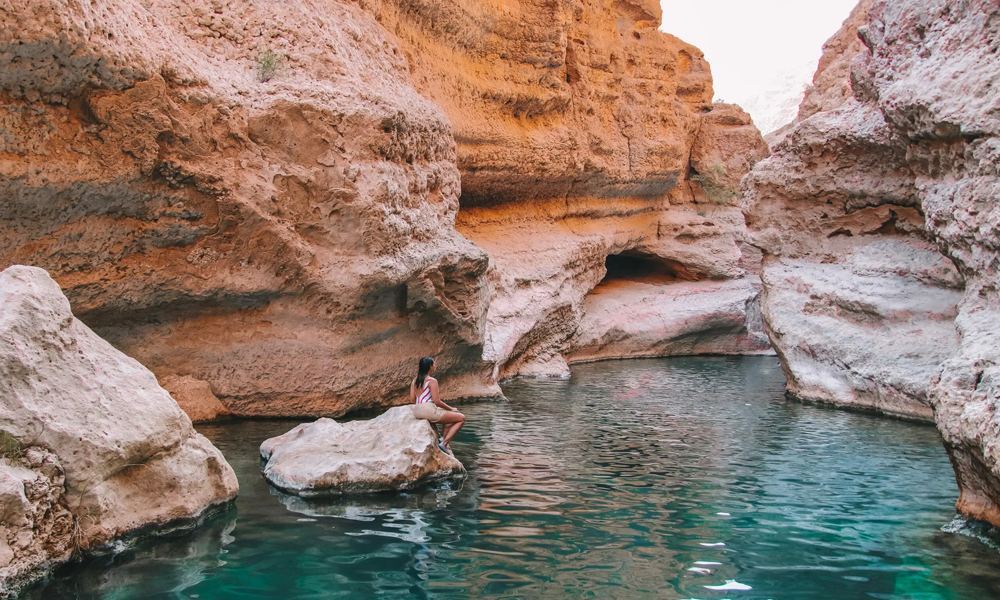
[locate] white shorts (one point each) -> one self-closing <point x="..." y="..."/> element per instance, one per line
<point x="428" y="411"/>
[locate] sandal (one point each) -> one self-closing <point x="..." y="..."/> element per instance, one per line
<point x="442" y="446"/>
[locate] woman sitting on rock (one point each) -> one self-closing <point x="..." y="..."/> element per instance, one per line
<point x="428" y="405"/>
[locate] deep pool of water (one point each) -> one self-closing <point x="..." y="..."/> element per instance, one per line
<point x="637" y="479"/>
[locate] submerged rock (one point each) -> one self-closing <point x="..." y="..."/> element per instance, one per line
<point x="395" y="451"/>
<point x="93" y="448"/>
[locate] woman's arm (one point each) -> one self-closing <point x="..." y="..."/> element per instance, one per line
<point x="437" y="399"/>
<point x="413" y="392"/>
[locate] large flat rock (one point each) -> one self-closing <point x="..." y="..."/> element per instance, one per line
<point x="631" y="319"/>
<point x="395" y="451"/>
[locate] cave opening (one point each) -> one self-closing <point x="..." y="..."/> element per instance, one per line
<point x="637" y="267"/>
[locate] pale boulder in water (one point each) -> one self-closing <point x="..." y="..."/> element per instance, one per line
<point x="95" y="448"/>
<point x="395" y="451"/>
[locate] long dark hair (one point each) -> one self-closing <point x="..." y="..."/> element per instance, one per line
<point x="423" y="369"/>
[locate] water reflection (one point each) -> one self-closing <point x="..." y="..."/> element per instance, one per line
<point x="170" y="564"/>
<point x="402" y="516"/>
<point x="668" y="479"/>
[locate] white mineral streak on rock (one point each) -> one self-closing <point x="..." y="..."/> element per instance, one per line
<point x="395" y="451"/>
<point x="106" y="451"/>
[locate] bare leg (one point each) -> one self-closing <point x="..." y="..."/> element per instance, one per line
<point x="452" y="421"/>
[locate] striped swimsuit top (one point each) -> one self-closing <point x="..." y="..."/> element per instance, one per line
<point x="425" y="394"/>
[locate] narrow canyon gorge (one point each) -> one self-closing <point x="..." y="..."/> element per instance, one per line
<point x="276" y="208"/>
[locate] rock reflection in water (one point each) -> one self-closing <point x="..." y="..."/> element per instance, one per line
<point x="172" y="563"/>
<point x="401" y="515"/>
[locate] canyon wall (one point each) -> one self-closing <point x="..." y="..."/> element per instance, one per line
<point x="248" y="194"/>
<point x="283" y="205"/>
<point x="582" y="133"/>
<point x="878" y="221"/>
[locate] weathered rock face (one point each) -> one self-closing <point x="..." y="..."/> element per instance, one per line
<point x="195" y="397"/>
<point x="554" y="99"/>
<point x="546" y="256"/>
<point x="880" y="215"/>
<point x="94" y="448"/>
<point x="37" y="527"/>
<point x="289" y="241"/>
<point x="582" y="132"/>
<point x="395" y="451"/>
<point x="255" y="195"/>
<point x="641" y="318"/>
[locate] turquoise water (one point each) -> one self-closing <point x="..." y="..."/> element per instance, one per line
<point x="615" y="483"/>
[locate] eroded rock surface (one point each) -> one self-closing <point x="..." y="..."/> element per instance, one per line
<point x="831" y="83"/>
<point x="394" y="451"/>
<point x="555" y="99"/>
<point x="95" y="448"/>
<point x="546" y="256"/>
<point x="648" y="318"/>
<point x="910" y="160"/>
<point x="195" y="397"/>
<point x="266" y="197"/>
<point x="244" y="232"/>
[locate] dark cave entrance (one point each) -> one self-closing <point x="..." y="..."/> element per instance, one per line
<point x="633" y="266"/>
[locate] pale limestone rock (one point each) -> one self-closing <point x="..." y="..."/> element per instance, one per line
<point x="37" y="529"/>
<point x="194" y="396"/>
<point x="914" y="156"/>
<point x="866" y="332"/>
<point x="111" y="447"/>
<point x="646" y="319"/>
<point x="395" y="451"/>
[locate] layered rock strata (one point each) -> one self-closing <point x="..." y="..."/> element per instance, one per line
<point x="265" y="197"/>
<point x="93" y="448"/>
<point x="645" y="318"/>
<point x="878" y="223"/>
<point x="248" y="194"/>
<point x="394" y="451"/>
<point x="582" y="132"/>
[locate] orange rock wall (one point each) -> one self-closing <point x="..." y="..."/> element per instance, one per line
<point x="556" y="99"/>
<point x="293" y="201"/>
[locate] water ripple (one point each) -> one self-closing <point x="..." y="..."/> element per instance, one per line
<point x="667" y="479"/>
